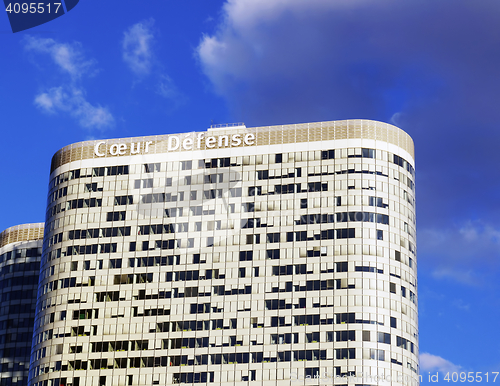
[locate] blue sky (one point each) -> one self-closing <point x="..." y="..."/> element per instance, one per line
<point x="130" y="68"/>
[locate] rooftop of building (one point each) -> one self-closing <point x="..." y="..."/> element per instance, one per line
<point x="22" y="232"/>
<point x="265" y="135"/>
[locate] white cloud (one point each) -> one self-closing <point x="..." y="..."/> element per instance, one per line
<point x="73" y="102"/>
<point x="461" y="251"/>
<point x="429" y="362"/>
<point x="137" y="47"/>
<point x="69" y="97"/>
<point x="168" y="90"/>
<point x="68" y="56"/>
<point x="166" y="87"/>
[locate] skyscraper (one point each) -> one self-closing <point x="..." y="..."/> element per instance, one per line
<point x="268" y="255"/>
<point x="20" y="253"/>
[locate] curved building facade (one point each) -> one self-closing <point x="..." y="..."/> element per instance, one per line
<point x="268" y="255"/>
<point x="20" y="253"/>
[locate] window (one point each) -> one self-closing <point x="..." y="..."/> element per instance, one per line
<point x="393" y="322"/>
<point x="273" y="237"/>
<point x="169" y="181"/>
<point x="345" y="336"/>
<point x="246" y="255"/>
<point x="186" y="165"/>
<point x="342" y="266"/>
<point x="273" y="253"/>
<point x="346" y="353"/>
<point x="277" y="321"/>
<point x="303" y="203"/>
<point x="145" y="183"/>
<point x="187" y="180"/>
<point x="279" y="158"/>
<point x="368" y="153"/>
<point x="248" y="206"/>
<point x="192" y="195"/>
<point x="380" y="234"/>
<point x="116" y="216"/>
<point x="403" y="291"/>
<point x="235" y="192"/>
<point x="384" y="338"/>
<point x="328" y="154"/>
<point x="241" y="272"/>
<point x="366" y="336"/>
<point x="312" y="337"/>
<point x="392" y="288"/>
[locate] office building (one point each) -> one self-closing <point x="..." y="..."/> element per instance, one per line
<point x="20" y="253"/>
<point x="265" y="255"/>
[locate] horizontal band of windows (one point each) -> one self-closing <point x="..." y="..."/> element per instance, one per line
<point x="328" y="234"/>
<point x="202" y="377"/>
<point x="25" y="280"/>
<point x="154" y="261"/>
<point x="19" y="295"/>
<point x="95" y="233"/>
<point x="91" y="249"/>
<point x="95" y="172"/>
<point x="69" y="282"/>
<point x="197" y="325"/>
<point x="347" y="171"/>
<point x="205" y="359"/>
<point x="78" y="203"/>
<point x="19" y="253"/>
<point x="20" y="267"/>
<point x="17" y="323"/>
<point x="133" y="345"/>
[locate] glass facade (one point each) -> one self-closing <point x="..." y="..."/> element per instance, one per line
<point x="20" y="253"/>
<point x="262" y="255"/>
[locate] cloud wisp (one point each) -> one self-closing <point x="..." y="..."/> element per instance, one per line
<point x="137" y="47"/>
<point x="67" y="56"/>
<point x="73" y="101"/>
<point x="70" y="97"/>
<point x="461" y="252"/>
<point x="429" y="362"/>
<point x="138" y="54"/>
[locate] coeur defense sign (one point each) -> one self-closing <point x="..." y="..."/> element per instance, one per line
<point x="175" y="142"/>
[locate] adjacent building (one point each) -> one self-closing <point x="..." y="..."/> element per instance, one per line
<point x="20" y="253"/>
<point x="263" y="256"/>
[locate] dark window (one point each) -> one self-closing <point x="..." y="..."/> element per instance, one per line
<point x="346" y="353"/>
<point x="246" y="255"/>
<point x="384" y="338"/>
<point x="273" y="237"/>
<point x="328" y="154"/>
<point x="273" y="253"/>
<point x="342" y="266"/>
